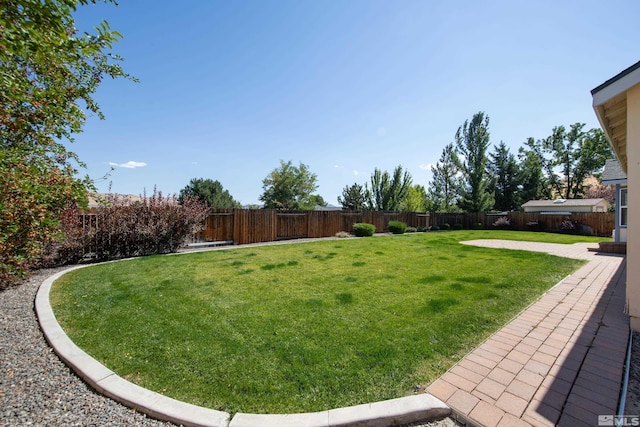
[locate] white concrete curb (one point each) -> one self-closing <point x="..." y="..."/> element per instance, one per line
<point x="421" y="407"/>
<point x="404" y="410"/>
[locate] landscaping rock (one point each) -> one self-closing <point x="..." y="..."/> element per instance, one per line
<point x="36" y="388"/>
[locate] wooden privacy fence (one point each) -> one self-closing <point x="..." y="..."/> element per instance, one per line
<point x="244" y="226"/>
<point x="588" y="223"/>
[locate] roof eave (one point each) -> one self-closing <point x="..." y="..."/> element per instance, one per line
<point x="615" y="87"/>
<point x="614" y="181"/>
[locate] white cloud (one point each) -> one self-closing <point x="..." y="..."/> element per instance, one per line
<point x="129" y="165"/>
<point x="427" y="166"/>
<point x="355" y="172"/>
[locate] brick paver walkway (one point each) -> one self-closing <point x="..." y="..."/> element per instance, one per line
<point x="559" y="362"/>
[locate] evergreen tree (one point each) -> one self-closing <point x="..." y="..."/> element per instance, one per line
<point x="472" y="143"/>
<point x="444" y="186"/>
<point x="504" y="171"/>
<point x="354" y="198"/>
<point x="533" y="183"/>
<point x="318" y="200"/>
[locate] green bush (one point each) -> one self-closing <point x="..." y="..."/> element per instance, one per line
<point x="446" y="226"/>
<point x="422" y="229"/>
<point x="362" y="229"/>
<point x="411" y="230"/>
<point x="457" y="226"/>
<point x="397" y="227"/>
<point x="435" y="228"/>
<point x="477" y="226"/>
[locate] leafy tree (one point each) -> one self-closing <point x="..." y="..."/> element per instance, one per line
<point x="416" y="200"/>
<point x="289" y="187"/>
<point x="388" y="192"/>
<point x="577" y="154"/>
<point x="210" y="192"/>
<point x="354" y="198"/>
<point x="503" y="167"/>
<point x="48" y="75"/>
<point x="569" y="157"/>
<point x="445" y="183"/>
<point x="472" y="143"/>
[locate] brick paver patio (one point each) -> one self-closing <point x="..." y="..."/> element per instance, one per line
<point x="559" y="362"/>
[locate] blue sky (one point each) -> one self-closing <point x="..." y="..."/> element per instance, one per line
<point x="229" y="88"/>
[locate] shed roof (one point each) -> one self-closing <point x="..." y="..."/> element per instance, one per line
<point x="564" y="202"/>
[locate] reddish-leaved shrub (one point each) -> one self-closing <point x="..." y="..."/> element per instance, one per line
<point x="122" y="228"/>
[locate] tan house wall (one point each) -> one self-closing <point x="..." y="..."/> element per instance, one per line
<point x="633" y="228"/>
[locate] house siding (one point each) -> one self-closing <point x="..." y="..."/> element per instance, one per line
<point x="633" y="228"/>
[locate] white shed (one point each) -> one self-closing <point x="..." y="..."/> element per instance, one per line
<point x="566" y="206"/>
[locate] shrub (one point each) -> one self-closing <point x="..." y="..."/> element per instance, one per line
<point x="569" y="226"/>
<point x="477" y="226"/>
<point x="435" y="228"/>
<point x="33" y="197"/>
<point x="446" y="226"/>
<point x="70" y="247"/>
<point x="422" y="229"/>
<point x="502" y="222"/>
<point x="397" y="227"/>
<point x="362" y="229"/>
<point x="342" y="234"/>
<point x="457" y="226"/>
<point x="122" y="229"/>
<point x="411" y="230"/>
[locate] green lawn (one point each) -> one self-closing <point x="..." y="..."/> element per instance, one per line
<point x="303" y="327"/>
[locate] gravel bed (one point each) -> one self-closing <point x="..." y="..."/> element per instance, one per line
<point x="632" y="405"/>
<point x="37" y="389"/>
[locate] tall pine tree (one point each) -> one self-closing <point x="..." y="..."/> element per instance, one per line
<point x="472" y="143"/>
<point x="504" y="170"/>
<point x="533" y="183"/>
<point x="445" y="183"/>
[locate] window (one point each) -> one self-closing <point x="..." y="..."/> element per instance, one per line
<point x="622" y="199"/>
